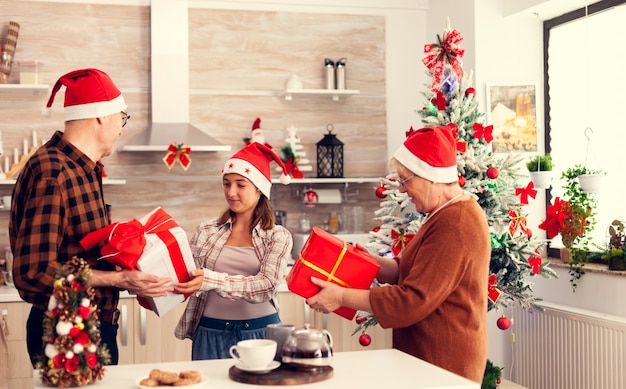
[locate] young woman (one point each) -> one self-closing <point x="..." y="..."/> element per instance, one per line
<point x="241" y="258"/>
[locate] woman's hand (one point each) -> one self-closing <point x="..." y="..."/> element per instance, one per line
<point x="328" y="299"/>
<point x="193" y="285"/>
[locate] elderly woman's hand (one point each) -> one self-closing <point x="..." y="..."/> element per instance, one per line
<point x="328" y="299"/>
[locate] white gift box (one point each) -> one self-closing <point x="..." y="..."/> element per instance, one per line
<point x="167" y="255"/>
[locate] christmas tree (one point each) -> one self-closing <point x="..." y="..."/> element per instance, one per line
<point x="73" y="354"/>
<point x="450" y="99"/>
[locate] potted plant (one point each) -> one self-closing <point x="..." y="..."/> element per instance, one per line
<point x="615" y="253"/>
<point x="572" y="217"/>
<point x="590" y="180"/>
<point x="540" y="168"/>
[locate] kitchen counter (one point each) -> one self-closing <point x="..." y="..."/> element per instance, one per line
<point x="359" y="369"/>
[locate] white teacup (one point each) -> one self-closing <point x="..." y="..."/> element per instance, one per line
<point x="254" y="353"/>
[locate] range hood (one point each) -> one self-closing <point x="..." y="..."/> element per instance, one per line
<point x="169" y="36"/>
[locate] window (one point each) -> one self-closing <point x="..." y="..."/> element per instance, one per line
<point x="585" y="87"/>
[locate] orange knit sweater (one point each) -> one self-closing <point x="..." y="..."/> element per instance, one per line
<point x="438" y="308"/>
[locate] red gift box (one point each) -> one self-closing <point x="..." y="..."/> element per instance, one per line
<point x="327" y="257"/>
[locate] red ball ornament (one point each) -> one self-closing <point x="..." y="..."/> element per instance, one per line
<point x="503" y="323"/>
<point x="498" y="381"/>
<point x="461" y="181"/>
<point x="376" y="229"/>
<point x="492" y="173"/>
<point x="365" y="340"/>
<point x="470" y="91"/>
<point x="380" y="192"/>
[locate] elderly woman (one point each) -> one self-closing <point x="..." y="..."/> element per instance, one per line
<point x="436" y="300"/>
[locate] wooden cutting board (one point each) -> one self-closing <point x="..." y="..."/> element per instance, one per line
<point x="281" y="376"/>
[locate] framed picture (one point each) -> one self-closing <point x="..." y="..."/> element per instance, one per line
<point x="512" y="111"/>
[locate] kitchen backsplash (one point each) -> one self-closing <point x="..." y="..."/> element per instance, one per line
<point x="239" y="63"/>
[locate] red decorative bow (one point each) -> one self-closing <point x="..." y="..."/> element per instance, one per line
<point x="461" y="146"/>
<point x="535" y="263"/>
<point x="439" y="101"/>
<point x="480" y="131"/>
<point x="401" y="239"/>
<point x="524" y="193"/>
<point x="126" y="240"/>
<point x="492" y="292"/>
<point x="518" y="221"/>
<point x="445" y="50"/>
<point x="409" y="132"/>
<point x="177" y="153"/>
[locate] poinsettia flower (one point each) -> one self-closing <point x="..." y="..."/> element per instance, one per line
<point x="71" y="364"/>
<point x="91" y="359"/>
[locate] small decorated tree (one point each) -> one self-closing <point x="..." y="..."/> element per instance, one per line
<point x="73" y="354"/>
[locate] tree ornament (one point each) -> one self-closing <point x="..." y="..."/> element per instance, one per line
<point x="365" y="340"/>
<point x="470" y="92"/>
<point x="503" y="323"/>
<point x="461" y="181"/>
<point x="360" y="319"/>
<point x="310" y="198"/>
<point x="380" y="191"/>
<point x="493" y="173"/>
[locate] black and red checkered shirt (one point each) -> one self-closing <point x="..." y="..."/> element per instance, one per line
<point x="57" y="200"/>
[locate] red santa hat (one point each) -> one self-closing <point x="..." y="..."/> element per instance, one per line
<point x="430" y="153"/>
<point x="253" y="162"/>
<point x="89" y="93"/>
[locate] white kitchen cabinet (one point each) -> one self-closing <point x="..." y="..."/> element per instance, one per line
<point x="144" y="337"/>
<point x="20" y="370"/>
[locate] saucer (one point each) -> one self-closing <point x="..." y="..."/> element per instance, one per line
<point x="261" y="370"/>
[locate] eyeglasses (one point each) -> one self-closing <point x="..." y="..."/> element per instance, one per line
<point x="403" y="182"/>
<point x="125" y="118"/>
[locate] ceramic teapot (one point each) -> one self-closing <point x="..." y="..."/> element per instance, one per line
<point x="308" y="348"/>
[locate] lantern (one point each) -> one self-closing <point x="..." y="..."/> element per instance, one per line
<point x="330" y="155"/>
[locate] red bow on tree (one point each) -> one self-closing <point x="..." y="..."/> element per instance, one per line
<point x="524" y="193"/>
<point x="177" y="153"/>
<point x="401" y="239"/>
<point x="461" y="146"/>
<point x="409" y="132"/>
<point x="492" y="292"/>
<point x="446" y="50"/>
<point x="439" y="101"/>
<point x="480" y="131"/>
<point x="535" y="263"/>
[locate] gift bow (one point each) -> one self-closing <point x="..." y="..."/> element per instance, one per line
<point x="518" y="221"/>
<point x="493" y="292"/>
<point x="177" y="153"/>
<point x="480" y="131"/>
<point x="126" y="240"/>
<point x="535" y="264"/>
<point x="401" y="239"/>
<point x="445" y="50"/>
<point x="524" y="193"/>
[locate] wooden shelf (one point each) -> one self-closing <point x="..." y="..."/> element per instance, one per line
<point x="35" y="89"/>
<point x="321" y="180"/>
<point x="334" y="93"/>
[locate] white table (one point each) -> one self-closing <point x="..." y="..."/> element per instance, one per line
<point x="358" y="369"/>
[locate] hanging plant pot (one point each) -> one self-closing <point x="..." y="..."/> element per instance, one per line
<point x="541" y="179"/>
<point x="590" y="183"/>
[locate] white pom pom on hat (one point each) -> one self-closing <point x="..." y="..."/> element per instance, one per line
<point x="253" y="162"/>
<point x="430" y="153"/>
<point x="89" y="93"/>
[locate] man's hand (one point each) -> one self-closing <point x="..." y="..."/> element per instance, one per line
<point x="142" y="284"/>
